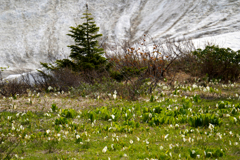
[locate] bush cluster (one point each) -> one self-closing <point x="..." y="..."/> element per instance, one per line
<point x="213" y="62"/>
<point x="218" y="63"/>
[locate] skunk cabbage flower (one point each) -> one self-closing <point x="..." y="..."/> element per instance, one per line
<point x="104" y="149"/>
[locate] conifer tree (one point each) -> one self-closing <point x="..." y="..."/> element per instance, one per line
<point x="85" y="53"/>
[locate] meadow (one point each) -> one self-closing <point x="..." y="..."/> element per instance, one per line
<point x="125" y="103"/>
<point x="179" y="121"/>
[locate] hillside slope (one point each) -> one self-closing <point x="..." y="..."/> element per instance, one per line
<point x="33" y="30"/>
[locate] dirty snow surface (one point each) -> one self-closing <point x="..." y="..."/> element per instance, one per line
<point x="33" y="31"/>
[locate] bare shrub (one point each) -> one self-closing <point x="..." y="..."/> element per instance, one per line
<point x="13" y="87"/>
<point x="187" y="64"/>
<point x="146" y="61"/>
<point x="60" y="78"/>
<point x="65" y="78"/>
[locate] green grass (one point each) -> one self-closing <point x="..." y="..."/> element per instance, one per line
<point x="175" y="125"/>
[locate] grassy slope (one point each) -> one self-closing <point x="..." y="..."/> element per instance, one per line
<point x="160" y="129"/>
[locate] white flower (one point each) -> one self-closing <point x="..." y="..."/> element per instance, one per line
<point x="165" y="137"/>
<point x="165" y="87"/>
<point x="125" y="155"/>
<point x="235" y="119"/>
<point x="198" y="156"/>
<point x="114" y="135"/>
<point x="27" y="137"/>
<point x="48" y="131"/>
<point x="47" y="114"/>
<point x="161" y="147"/>
<point x="112" y="146"/>
<point x="104" y="149"/>
<point x="176" y="125"/>
<point x="13" y="128"/>
<point x="138" y="139"/>
<point x="193" y="151"/>
<point x="211" y="126"/>
<point x="112" y="116"/>
<point x="147" y="142"/>
<point x="21" y="127"/>
<point x="194" y="86"/>
<point x="131" y="141"/>
<point x="115" y="94"/>
<point x="204" y="90"/>
<point x="50" y="88"/>
<point x="150" y="115"/>
<point x="105" y="138"/>
<point x="208" y="89"/>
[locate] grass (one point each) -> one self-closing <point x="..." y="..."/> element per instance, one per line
<point x="183" y="121"/>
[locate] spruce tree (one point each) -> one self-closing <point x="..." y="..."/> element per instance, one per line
<point x="85" y="53"/>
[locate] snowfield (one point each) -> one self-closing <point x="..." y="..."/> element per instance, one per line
<point x="33" y="31"/>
